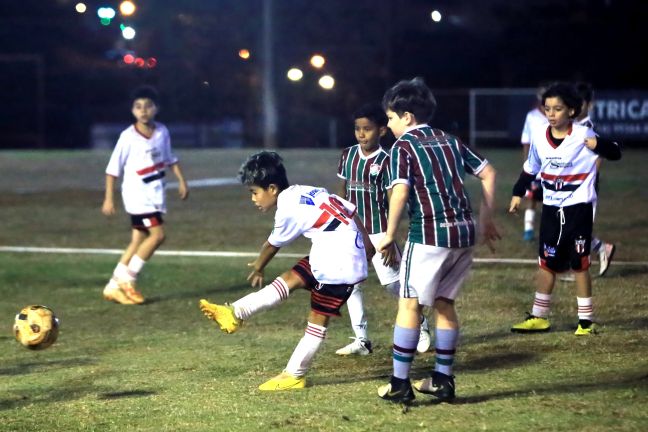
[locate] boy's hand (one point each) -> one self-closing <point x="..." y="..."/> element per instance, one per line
<point x="384" y="244"/>
<point x="489" y="233"/>
<point x="370" y="251"/>
<point x="108" y="208"/>
<point x="389" y="256"/>
<point x="183" y="191"/>
<point x="515" y="204"/>
<point x="256" y="277"/>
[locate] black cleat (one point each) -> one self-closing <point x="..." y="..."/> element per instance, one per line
<point x="397" y="391"/>
<point x="440" y="385"/>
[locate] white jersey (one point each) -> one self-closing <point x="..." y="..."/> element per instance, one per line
<point x="337" y="254"/>
<point x="535" y="119"/>
<point x="568" y="170"/>
<point x="142" y="162"/>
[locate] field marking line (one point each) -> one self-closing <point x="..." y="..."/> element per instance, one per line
<point x="230" y="254"/>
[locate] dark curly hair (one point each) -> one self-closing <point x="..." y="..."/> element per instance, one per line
<point x="263" y="169"/>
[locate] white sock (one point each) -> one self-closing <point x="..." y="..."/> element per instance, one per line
<point x="267" y="297"/>
<point x="541" y="305"/>
<point x="305" y="351"/>
<point x="585" y="308"/>
<point x="356" y="312"/>
<point x="120" y="272"/>
<point x="529" y="219"/>
<point x="134" y="267"/>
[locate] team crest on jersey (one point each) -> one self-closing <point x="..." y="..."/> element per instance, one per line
<point x="559" y="184"/>
<point x="549" y="251"/>
<point x="374" y="169"/>
<point x="579" y="243"/>
<point x="306" y="200"/>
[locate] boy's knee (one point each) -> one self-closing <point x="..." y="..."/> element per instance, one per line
<point x="159" y="237"/>
<point x="442" y="304"/>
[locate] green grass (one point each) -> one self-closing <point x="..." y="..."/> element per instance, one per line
<point x="164" y="367"/>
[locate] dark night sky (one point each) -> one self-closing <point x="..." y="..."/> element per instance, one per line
<point x="369" y="45"/>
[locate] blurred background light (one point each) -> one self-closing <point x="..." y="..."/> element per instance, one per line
<point x="327" y="82"/>
<point x="436" y="16"/>
<point x="128" y="32"/>
<point x="106" y="12"/>
<point x="295" y="74"/>
<point x="317" y="61"/>
<point x="129" y="58"/>
<point x="80" y="7"/>
<point x="244" y="54"/>
<point x="127" y="8"/>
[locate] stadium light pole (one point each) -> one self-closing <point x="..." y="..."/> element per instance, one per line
<point x="268" y="94"/>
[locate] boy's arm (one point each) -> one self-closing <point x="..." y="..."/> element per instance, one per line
<point x="108" y="207"/>
<point x="266" y="254"/>
<point x="370" y="250"/>
<point x="183" y="189"/>
<point x="605" y="148"/>
<point x="397" y="202"/>
<point x="342" y="192"/>
<point x="487" y="226"/>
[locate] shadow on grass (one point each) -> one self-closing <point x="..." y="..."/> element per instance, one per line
<point x="223" y="294"/>
<point x="125" y="394"/>
<point x="62" y="394"/>
<point x="550" y="390"/>
<point x="626" y="271"/>
<point x="500" y="361"/>
<point x="45" y="366"/>
<point x="628" y="323"/>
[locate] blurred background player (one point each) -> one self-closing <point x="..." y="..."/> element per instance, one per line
<point x="337" y="260"/>
<point x="565" y="155"/>
<point x="142" y="155"/>
<point x="363" y="170"/>
<point x="534" y="119"/>
<point x="604" y="250"/>
<point x="428" y="168"/>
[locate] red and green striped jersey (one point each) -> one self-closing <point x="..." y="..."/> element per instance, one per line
<point x="367" y="179"/>
<point x="434" y="165"/>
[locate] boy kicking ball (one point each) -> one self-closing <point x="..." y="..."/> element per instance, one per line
<point x="337" y="260"/>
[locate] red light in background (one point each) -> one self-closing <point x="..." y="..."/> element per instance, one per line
<point x="151" y="62"/>
<point x="129" y="58"/>
<point x="139" y="62"/>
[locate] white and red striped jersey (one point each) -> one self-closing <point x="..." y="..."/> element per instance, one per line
<point x="142" y="162"/>
<point x="337" y="254"/>
<point x="568" y="170"/>
<point x="535" y="119"/>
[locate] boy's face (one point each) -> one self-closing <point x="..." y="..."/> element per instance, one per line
<point x="144" y="110"/>
<point x="368" y="134"/>
<point x="558" y="114"/>
<point x="399" y="125"/>
<point x="264" y="199"/>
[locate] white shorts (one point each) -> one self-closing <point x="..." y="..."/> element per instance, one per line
<point x="386" y="275"/>
<point x="429" y="272"/>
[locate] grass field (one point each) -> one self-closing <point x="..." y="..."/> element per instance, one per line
<point x="164" y="367"/>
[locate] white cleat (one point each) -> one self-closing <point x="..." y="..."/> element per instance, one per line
<point x="357" y="347"/>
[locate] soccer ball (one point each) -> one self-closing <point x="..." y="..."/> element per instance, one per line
<point x="36" y="327"/>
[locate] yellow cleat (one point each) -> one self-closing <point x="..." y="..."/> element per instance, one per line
<point x="585" y="328"/>
<point x="223" y="314"/>
<point x="284" y="381"/>
<point x="113" y="293"/>
<point x="532" y="324"/>
<point x="130" y="291"/>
